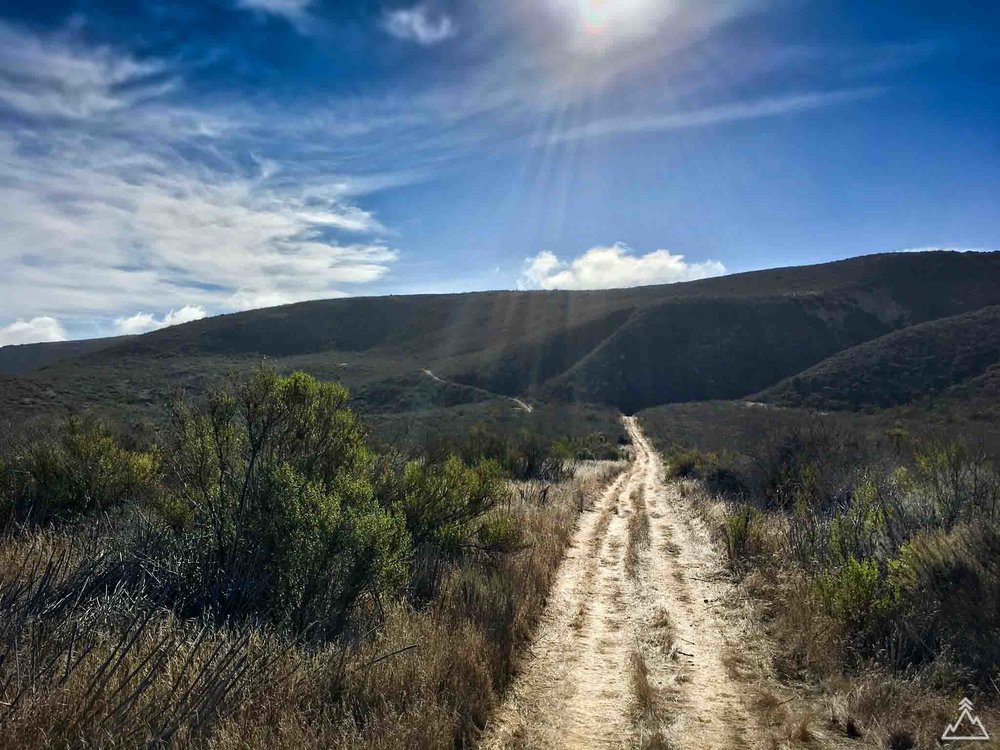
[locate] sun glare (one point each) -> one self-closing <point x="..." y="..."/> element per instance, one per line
<point x="617" y="19"/>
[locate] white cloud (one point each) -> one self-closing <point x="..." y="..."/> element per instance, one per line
<point x="145" y="322"/>
<point x="30" y="331"/>
<point x="119" y="229"/>
<point x="947" y="249"/>
<point x="293" y="11"/>
<point x="612" y="267"/>
<point x="158" y="204"/>
<point x="57" y="77"/>
<point x="418" y="24"/>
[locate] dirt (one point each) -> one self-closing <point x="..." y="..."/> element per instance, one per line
<point x="519" y="403"/>
<point x="632" y="649"/>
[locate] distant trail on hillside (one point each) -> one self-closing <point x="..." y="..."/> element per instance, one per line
<point x="518" y="402"/>
<point x="632" y="649"/>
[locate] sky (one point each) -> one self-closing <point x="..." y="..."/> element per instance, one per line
<point x="164" y="160"/>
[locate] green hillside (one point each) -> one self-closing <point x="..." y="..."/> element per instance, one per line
<point x="902" y="367"/>
<point x="719" y="338"/>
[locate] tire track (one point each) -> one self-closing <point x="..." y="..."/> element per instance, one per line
<point x="630" y="651"/>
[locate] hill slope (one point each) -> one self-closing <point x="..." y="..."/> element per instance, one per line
<point x="899" y="368"/>
<point x="725" y="337"/>
<point x="21" y="358"/>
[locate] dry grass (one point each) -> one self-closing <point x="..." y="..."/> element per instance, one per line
<point x="814" y="696"/>
<point x="638" y="536"/>
<point x="106" y="669"/>
<point x="648" y="706"/>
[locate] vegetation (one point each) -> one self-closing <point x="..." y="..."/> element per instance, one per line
<point x="717" y="338"/>
<point x="876" y="555"/>
<point x="253" y="567"/>
<point x="81" y="470"/>
<point x="902" y="367"/>
<point x="258" y="575"/>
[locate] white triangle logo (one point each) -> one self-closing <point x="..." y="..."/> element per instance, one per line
<point x="967" y="727"/>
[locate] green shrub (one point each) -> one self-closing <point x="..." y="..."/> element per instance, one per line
<point x="860" y="598"/>
<point x="690" y="463"/>
<point x="272" y="493"/>
<point x="956" y="482"/>
<point x="949" y="583"/>
<point x="80" y="470"/>
<point x="743" y="530"/>
<point x="523" y="456"/>
<point x="445" y="505"/>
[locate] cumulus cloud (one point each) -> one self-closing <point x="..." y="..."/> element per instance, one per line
<point x="418" y="24"/>
<point x="42" y="328"/>
<point x="947" y="249"/>
<point x="612" y="267"/>
<point x="145" y="322"/>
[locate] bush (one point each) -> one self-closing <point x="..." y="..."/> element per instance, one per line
<point x="451" y="510"/>
<point x="271" y="484"/>
<point x="949" y="584"/>
<point x="80" y="470"/>
<point x="812" y="465"/>
<point x="444" y="505"/>
<point x="687" y="464"/>
<point x="857" y="595"/>
<point x="524" y="456"/>
<point x="743" y="531"/>
<point x="956" y="482"/>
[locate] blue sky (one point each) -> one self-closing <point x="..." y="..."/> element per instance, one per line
<point x="162" y="160"/>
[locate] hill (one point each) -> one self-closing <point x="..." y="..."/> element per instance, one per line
<point x="902" y="367"/>
<point x="627" y="349"/>
<point x="21" y="358"/>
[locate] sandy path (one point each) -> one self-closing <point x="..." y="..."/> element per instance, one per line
<point x="630" y="651"/>
<point x="519" y="403"/>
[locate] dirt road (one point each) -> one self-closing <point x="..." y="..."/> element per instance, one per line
<point x="524" y="405"/>
<point x="631" y="651"/>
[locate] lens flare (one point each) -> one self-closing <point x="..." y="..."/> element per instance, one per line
<point x="595" y="16"/>
<point x="613" y="20"/>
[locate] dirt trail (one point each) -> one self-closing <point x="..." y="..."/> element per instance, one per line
<point x="631" y="649"/>
<point x="513" y="399"/>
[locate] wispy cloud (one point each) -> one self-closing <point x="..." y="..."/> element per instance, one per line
<point x="42" y="328"/>
<point x="141" y="212"/>
<point x="419" y="24"/>
<point x="296" y="12"/>
<point x="774" y="106"/>
<point x="59" y="77"/>
<point x="111" y="227"/>
<point x="612" y="267"/>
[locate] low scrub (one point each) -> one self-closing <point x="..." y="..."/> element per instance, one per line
<point x="79" y="469"/>
<point x="263" y="577"/>
<point x="876" y="555"/>
<point x="523" y="455"/>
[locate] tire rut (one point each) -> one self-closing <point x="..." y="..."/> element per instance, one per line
<point x="630" y="651"/>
